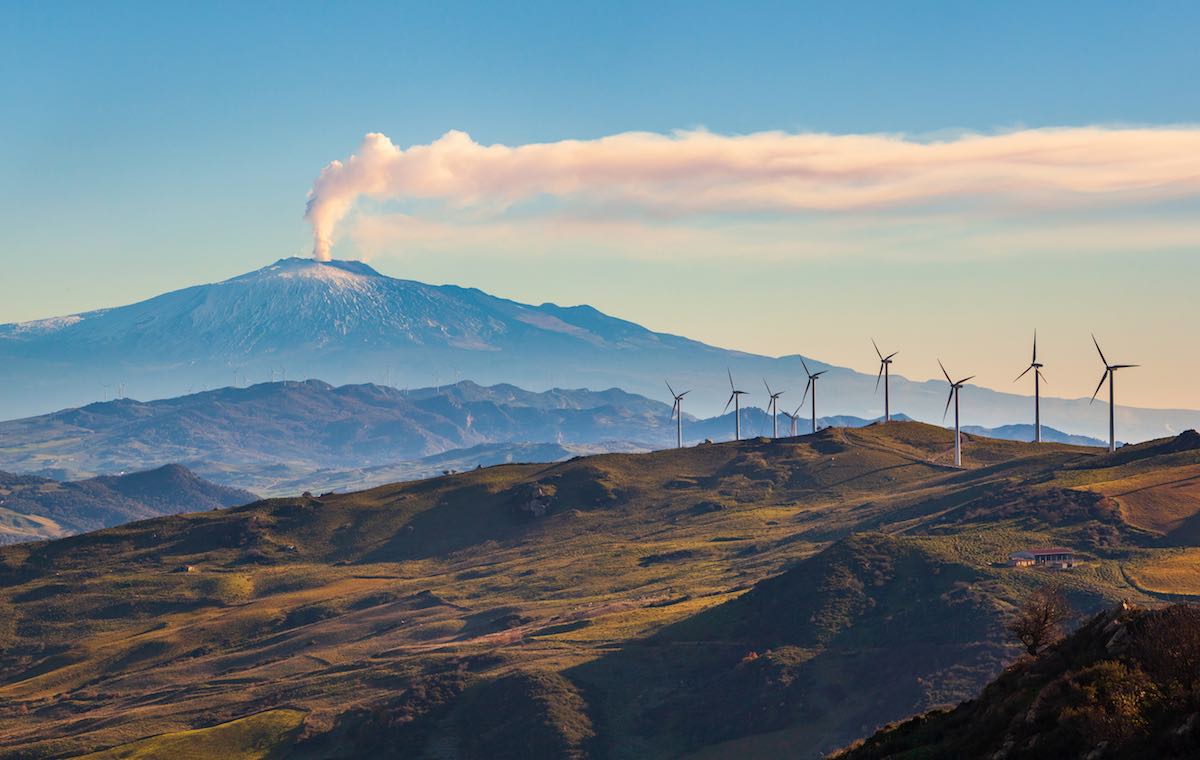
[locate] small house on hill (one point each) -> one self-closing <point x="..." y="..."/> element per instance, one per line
<point x="1049" y="556"/>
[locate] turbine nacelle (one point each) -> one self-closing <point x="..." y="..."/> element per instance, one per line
<point x="1109" y="369"/>
<point x="812" y="379"/>
<point x="884" y="361"/>
<point x="677" y="407"/>
<point x="955" y="386"/>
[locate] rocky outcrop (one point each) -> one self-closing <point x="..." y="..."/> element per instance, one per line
<point x="535" y="500"/>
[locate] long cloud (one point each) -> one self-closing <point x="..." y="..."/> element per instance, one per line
<point x="699" y="172"/>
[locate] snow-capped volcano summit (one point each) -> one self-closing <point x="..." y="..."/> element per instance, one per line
<point x="340" y="321"/>
<point x="339" y="273"/>
<point x="297" y="304"/>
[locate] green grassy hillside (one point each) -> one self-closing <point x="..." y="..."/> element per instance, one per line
<point x="724" y="599"/>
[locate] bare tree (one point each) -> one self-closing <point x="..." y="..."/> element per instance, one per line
<point x="1038" y="622"/>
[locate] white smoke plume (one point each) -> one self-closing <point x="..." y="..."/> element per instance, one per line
<point x="698" y="172"/>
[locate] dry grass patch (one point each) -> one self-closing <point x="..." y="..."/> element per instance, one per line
<point x="1169" y="573"/>
<point x="251" y="738"/>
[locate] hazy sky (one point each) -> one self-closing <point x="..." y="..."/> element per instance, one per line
<point x="149" y="146"/>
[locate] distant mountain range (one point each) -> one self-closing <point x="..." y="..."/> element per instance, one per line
<point x="345" y="323"/>
<point x="1025" y="433"/>
<point x="284" y="438"/>
<point x="34" y="508"/>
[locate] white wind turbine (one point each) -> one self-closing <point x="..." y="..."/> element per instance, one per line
<point x="735" y="398"/>
<point x="1038" y="377"/>
<point x="1109" y="371"/>
<point x="677" y="412"/>
<point x="812" y="383"/>
<point x="773" y="408"/>
<point x="955" y="387"/>
<point x="885" y="363"/>
<point x="793" y="417"/>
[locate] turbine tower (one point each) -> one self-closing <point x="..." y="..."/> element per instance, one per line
<point x="812" y="383"/>
<point x="1038" y="377"/>
<point x="735" y="398"/>
<point x="885" y="362"/>
<point x="773" y="407"/>
<point x="677" y="412"/>
<point x="955" y="387"/>
<point x="1109" y="371"/>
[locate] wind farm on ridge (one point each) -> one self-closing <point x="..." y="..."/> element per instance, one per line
<point x="883" y="378"/>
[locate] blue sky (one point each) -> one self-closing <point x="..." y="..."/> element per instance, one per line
<point x="148" y="146"/>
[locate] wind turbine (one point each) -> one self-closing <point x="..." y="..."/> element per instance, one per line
<point x="773" y="406"/>
<point x="885" y="362"/>
<point x="1109" y="371"/>
<point x="735" y="398"/>
<point x="812" y="383"/>
<point x="1038" y="377"/>
<point x="677" y="411"/>
<point x="793" y="417"/>
<point x="955" y="387"/>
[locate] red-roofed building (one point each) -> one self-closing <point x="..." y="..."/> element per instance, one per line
<point x="1047" y="556"/>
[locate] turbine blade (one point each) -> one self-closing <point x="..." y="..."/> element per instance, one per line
<point x="672" y="390"/>
<point x="805" y="364"/>
<point x="822" y="372"/>
<point x="681" y="395"/>
<point x="1034" y="347"/>
<point x="730" y="373"/>
<point x="1043" y="376"/>
<point x="1098" y="350"/>
<point x="948" y="400"/>
<point x="1124" y="366"/>
<point x="873" y="343"/>
<point x="727" y="403"/>
<point x="768" y="387"/>
<point x="805" y="396"/>
<point x="879" y="376"/>
<point x="1101" y="385"/>
<point x="1023" y="374"/>
<point x="891" y="355"/>
<point x="965" y="379"/>
<point x="944" y="372"/>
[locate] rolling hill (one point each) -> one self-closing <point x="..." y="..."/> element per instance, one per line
<point x="751" y="599"/>
<point x="33" y="508"/>
<point x="348" y="324"/>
